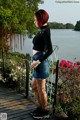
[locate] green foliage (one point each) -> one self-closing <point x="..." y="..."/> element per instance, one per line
<point x="55" y="25"/>
<point x="69" y="26"/>
<point x="17" y="54"/>
<point x="18" y="15"/>
<point x="77" y="26"/>
<point x="14" y="70"/>
<point x="69" y="88"/>
<point x="5" y="17"/>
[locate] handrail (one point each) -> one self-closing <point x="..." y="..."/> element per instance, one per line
<point x="55" y="53"/>
<point x="56" y="47"/>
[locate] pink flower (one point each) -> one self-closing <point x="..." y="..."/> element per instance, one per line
<point x="63" y="63"/>
<point x="68" y="69"/>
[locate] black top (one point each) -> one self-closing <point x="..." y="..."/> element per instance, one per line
<point x="42" y="42"/>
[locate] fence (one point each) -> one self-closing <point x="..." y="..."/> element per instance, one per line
<point x="51" y="85"/>
<point x="19" y="73"/>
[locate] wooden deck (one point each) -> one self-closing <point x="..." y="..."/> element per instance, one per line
<point x="16" y="105"/>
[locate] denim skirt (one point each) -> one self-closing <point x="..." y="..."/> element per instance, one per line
<point x="42" y="70"/>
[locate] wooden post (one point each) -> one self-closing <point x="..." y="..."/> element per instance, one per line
<point x="56" y="81"/>
<point x="3" y="61"/>
<point x="27" y="74"/>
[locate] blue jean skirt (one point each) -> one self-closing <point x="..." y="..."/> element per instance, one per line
<point x="42" y="70"/>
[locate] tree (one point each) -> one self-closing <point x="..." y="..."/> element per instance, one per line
<point x="16" y="16"/>
<point x="55" y="25"/>
<point x="69" y="26"/>
<point x="77" y="26"/>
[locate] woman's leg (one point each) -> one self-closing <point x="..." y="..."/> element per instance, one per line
<point x="41" y="85"/>
<point x="42" y="99"/>
<point x="35" y="89"/>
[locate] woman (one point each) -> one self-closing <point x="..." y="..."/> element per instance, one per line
<point x="42" y="49"/>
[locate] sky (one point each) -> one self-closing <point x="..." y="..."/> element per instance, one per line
<point x="62" y="11"/>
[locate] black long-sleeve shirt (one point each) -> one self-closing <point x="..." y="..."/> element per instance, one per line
<point x="42" y="42"/>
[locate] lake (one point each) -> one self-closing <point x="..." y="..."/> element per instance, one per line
<point x="67" y="40"/>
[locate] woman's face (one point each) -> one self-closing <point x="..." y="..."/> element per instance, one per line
<point x="35" y="21"/>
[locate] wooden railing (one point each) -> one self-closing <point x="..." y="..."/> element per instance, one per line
<point x="51" y="85"/>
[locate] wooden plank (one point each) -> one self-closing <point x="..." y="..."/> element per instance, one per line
<point x="16" y="106"/>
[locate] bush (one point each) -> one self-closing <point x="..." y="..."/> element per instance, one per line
<point x="15" y="70"/>
<point x="69" y="86"/>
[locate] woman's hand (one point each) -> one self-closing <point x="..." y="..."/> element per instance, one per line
<point x="34" y="64"/>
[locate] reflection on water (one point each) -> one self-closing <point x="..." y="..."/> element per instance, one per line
<point x="67" y="40"/>
<point x="17" y="42"/>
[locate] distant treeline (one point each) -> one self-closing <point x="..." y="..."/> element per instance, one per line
<point x="77" y="26"/>
<point x="55" y="25"/>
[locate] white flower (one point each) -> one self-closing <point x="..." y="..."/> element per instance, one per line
<point x="14" y="78"/>
<point x="10" y="75"/>
<point x="19" y="68"/>
<point x="12" y="70"/>
<point x="24" y="71"/>
<point x="0" y="60"/>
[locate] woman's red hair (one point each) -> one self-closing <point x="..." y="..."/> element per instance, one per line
<point x="42" y="17"/>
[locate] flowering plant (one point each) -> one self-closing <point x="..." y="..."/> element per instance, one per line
<point x="15" y="71"/>
<point x="69" y="86"/>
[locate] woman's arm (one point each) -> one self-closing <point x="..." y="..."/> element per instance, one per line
<point x="48" y="43"/>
